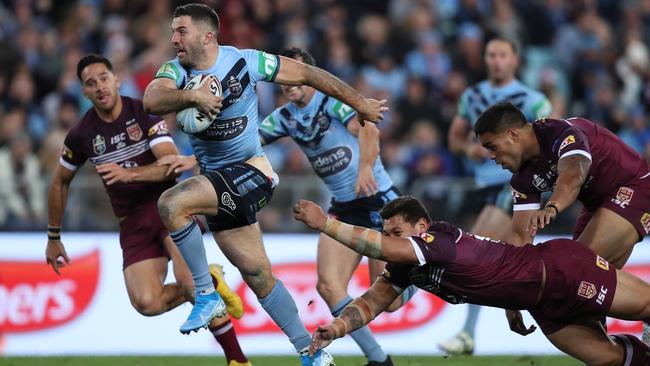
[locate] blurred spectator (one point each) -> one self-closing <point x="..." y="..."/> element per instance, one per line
<point x="415" y="106"/>
<point x="22" y="189"/>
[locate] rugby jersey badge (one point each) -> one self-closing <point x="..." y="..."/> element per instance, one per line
<point x="602" y="263"/>
<point x="428" y="238"/>
<point x="586" y="290"/>
<point x="567" y="141"/>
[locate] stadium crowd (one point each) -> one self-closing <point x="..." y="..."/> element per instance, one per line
<point x="590" y="57"/>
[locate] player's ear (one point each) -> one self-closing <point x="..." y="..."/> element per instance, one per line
<point x="422" y="224"/>
<point x="513" y="134"/>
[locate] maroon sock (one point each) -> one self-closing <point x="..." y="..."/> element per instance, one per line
<point x="225" y="335"/>
<point x="636" y="352"/>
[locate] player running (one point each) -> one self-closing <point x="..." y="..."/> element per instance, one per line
<point x="345" y="155"/>
<point x="237" y="179"/>
<point x="566" y="287"/>
<point x="501" y="61"/>
<point x="123" y="143"/>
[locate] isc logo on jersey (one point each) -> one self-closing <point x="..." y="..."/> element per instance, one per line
<point x="191" y="120"/>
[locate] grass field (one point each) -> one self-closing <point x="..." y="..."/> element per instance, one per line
<point x="285" y="361"/>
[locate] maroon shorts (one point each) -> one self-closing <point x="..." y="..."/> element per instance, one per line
<point x="142" y="234"/>
<point x="579" y="284"/>
<point x="631" y="201"/>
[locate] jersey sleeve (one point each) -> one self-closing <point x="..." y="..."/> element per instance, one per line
<point x="72" y="155"/>
<point x="171" y="70"/>
<point x="157" y="131"/>
<point x="540" y="107"/>
<point x="272" y="128"/>
<point x="340" y="111"/>
<point x="397" y="275"/>
<point x="523" y="200"/>
<point x="430" y="247"/>
<point x="262" y="66"/>
<point x="571" y="141"/>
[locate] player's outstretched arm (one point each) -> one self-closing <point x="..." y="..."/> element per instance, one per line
<point x="293" y="72"/>
<point x="56" y="200"/>
<point x="356" y="314"/>
<point x="362" y="240"/>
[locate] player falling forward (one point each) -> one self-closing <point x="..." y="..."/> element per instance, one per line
<point x="345" y="155"/>
<point x="501" y="61"/>
<point x="566" y="287"/>
<point x="237" y="179"/>
<point x="123" y="143"/>
<point x="575" y="159"/>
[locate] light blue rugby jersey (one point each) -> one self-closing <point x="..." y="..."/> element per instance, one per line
<point x="320" y="129"/>
<point x="233" y="136"/>
<point x="479" y="97"/>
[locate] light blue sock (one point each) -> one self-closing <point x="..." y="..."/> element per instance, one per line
<point x="280" y="306"/>
<point x="472" y="316"/>
<point x="189" y="241"/>
<point x="362" y="336"/>
<point x="408" y="293"/>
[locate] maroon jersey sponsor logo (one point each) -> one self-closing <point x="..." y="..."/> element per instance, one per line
<point x="645" y="221"/>
<point x="159" y="128"/>
<point x="587" y="290"/>
<point x="567" y="141"/>
<point x="134" y="131"/>
<point x="602" y="263"/>
<point x="623" y="196"/>
<point x="428" y="238"/>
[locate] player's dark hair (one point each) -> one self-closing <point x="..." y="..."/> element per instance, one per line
<point x="498" y="118"/>
<point x="199" y="12"/>
<point x="296" y="52"/>
<point x="407" y="206"/>
<point x="90" y="59"/>
<point x="506" y="40"/>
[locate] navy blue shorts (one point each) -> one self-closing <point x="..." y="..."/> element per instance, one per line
<point x="363" y="211"/>
<point x="243" y="190"/>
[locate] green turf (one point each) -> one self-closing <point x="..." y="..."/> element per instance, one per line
<point x="284" y="361"/>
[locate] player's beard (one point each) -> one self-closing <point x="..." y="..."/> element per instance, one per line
<point x="193" y="53"/>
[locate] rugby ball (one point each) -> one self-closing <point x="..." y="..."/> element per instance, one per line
<point x="191" y="120"/>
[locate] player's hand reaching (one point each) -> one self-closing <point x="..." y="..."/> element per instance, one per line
<point x="540" y="219"/>
<point x="373" y="111"/>
<point x="516" y="323"/>
<point x="113" y="173"/>
<point x="205" y="101"/>
<point x="321" y="338"/>
<point x="366" y="184"/>
<point x="177" y="163"/>
<point x="53" y="252"/>
<point x="310" y="213"/>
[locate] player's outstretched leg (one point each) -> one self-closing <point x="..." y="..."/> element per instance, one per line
<point x="176" y="207"/>
<point x="244" y="248"/>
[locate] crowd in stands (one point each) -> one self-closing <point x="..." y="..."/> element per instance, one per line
<point x="590" y="57"/>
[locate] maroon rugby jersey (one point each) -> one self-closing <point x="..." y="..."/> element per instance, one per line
<point x="460" y="267"/>
<point x="126" y="141"/>
<point x="613" y="163"/>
